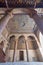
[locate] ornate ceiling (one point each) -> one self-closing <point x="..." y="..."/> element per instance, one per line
<point x="21" y="3"/>
<point x="21" y="23"/>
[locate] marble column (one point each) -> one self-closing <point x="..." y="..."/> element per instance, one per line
<point x="4" y="22"/>
<point x="39" y="21"/>
<point x="27" y="49"/>
<point x="15" y="54"/>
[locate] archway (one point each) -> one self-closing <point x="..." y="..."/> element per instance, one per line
<point x="32" y="43"/>
<point x="12" y="42"/>
<point x="34" y="52"/>
<point x="21" y="42"/>
<point x="11" y="48"/>
<point x="21" y="47"/>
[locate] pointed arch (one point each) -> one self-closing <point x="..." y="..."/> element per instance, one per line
<point x="32" y="43"/>
<point x="12" y="42"/>
<point x="21" y="42"/>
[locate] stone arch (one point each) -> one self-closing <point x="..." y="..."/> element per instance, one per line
<point x="22" y="36"/>
<point x="21" y="42"/>
<point x="10" y="35"/>
<point x="35" y="48"/>
<point x="33" y="35"/>
<point x="12" y="42"/>
<point x="25" y="35"/>
<point x="32" y="43"/>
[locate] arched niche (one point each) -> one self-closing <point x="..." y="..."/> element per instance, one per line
<point x="34" y="49"/>
<point x="12" y="42"/>
<point x="21" y="43"/>
<point x="32" y="43"/>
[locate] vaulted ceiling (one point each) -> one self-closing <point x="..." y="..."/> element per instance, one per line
<point x="20" y="23"/>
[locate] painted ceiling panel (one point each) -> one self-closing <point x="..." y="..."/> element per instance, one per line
<point x="21" y="3"/>
<point x="21" y="23"/>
